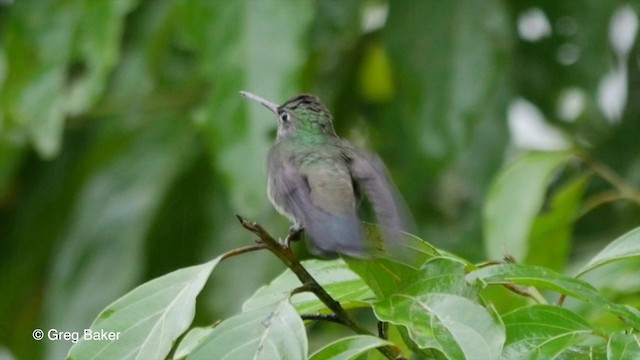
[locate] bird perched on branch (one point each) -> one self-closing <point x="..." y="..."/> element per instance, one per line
<point x="315" y="179"/>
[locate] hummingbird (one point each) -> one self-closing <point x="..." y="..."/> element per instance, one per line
<point x="315" y="179"/>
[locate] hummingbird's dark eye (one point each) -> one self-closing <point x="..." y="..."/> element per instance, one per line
<point x="284" y="117"/>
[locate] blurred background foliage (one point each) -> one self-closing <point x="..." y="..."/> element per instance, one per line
<point x="125" y="149"/>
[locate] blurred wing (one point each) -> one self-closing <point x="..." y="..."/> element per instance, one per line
<point x="329" y="232"/>
<point x="371" y="175"/>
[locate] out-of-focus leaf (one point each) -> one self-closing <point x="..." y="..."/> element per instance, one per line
<point x="548" y="279"/>
<point x="550" y="237"/>
<point x="240" y="49"/>
<point x="623" y="346"/>
<point x="348" y="348"/>
<point x="271" y="332"/>
<point x="449" y="76"/>
<point x="99" y="254"/>
<point x="542" y="332"/>
<point x="96" y="50"/>
<point x="41" y="45"/>
<point x="514" y="201"/>
<point x="624" y="247"/>
<point x="454" y="325"/>
<point x="148" y="319"/>
<point x="190" y="341"/>
<point x="334" y="276"/>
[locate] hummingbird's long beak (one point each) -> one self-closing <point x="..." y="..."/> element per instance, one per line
<point x="266" y="103"/>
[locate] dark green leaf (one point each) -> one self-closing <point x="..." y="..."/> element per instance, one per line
<point x="551" y="232"/>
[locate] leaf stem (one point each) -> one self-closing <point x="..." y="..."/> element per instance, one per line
<point x="285" y="254"/>
<point x="624" y="188"/>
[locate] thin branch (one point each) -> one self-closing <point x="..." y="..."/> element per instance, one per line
<point x="243" y="250"/>
<point x="626" y="190"/>
<point x="322" y="317"/>
<point x="285" y="254"/>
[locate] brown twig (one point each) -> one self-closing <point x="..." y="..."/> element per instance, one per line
<point x="285" y="254"/>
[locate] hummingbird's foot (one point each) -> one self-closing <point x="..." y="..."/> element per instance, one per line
<point x="295" y="234"/>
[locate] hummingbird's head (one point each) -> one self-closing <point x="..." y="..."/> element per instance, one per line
<point x="302" y="114"/>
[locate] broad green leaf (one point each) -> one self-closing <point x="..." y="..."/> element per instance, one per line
<point x="514" y="200"/>
<point x="334" y="276"/>
<point x="349" y="347"/>
<point x="271" y="332"/>
<point x="149" y="318"/>
<point x="624" y="247"/>
<point x="384" y="273"/>
<point x="534" y="276"/>
<point x="541" y="277"/>
<point x="542" y="332"/>
<point x="454" y="325"/>
<point x="190" y="341"/>
<point x="421" y="302"/>
<point x="623" y="346"/>
<point x="551" y="233"/>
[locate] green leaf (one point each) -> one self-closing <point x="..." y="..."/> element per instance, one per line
<point x="548" y="279"/>
<point x="349" y="347"/>
<point x="551" y="232"/>
<point x="623" y="346"/>
<point x="190" y="341"/>
<point x="334" y="276"/>
<point x="624" y="247"/>
<point x="542" y="332"/>
<point x="272" y="332"/>
<point x="149" y="318"/>
<point x="422" y="305"/>
<point x="534" y="276"/>
<point x="514" y="201"/>
<point x="454" y="325"/>
<point x="385" y="274"/>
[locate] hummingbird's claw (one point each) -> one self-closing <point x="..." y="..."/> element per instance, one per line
<point x="295" y="234"/>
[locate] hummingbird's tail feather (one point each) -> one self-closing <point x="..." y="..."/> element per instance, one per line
<point x="329" y="235"/>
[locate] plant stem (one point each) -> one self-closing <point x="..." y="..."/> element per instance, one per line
<point x="626" y="190"/>
<point x="310" y="284"/>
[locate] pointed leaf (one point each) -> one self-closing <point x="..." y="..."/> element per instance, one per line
<point x="334" y="275"/>
<point x="349" y="347"/>
<point x="514" y="201"/>
<point x="623" y="346"/>
<point x="542" y="332"/>
<point x="454" y="325"/>
<point x="624" y="247"/>
<point x="386" y="274"/>
<point x="548" y="279"/>
<point x="273" y="332"/>
<point x="149" y="318"/>
<point x="191" y="341"/>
